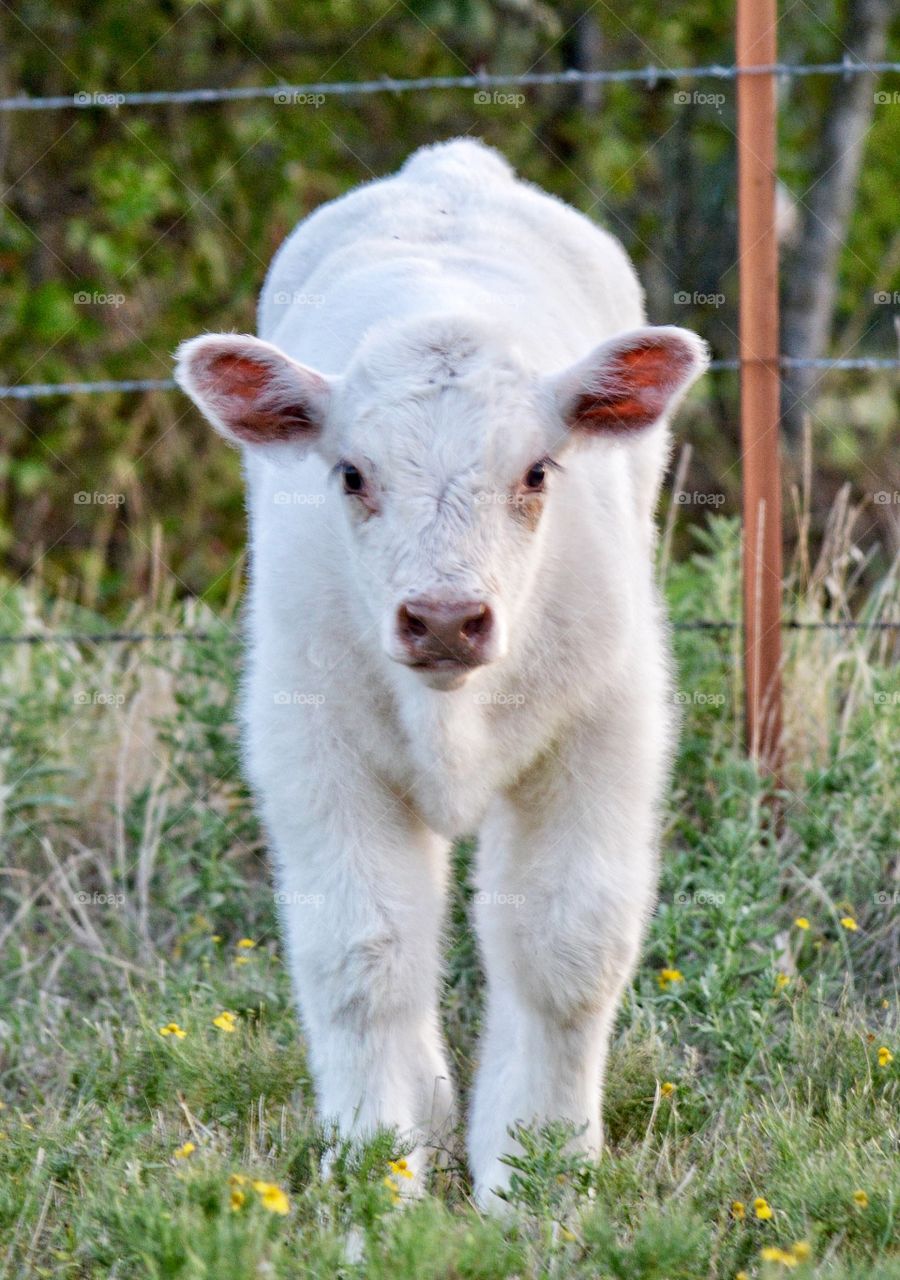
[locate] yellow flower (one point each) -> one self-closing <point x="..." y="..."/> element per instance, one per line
<point x="237" y="1180"/>
<point x="272" y="1197"/>
<point x="782" y="980"/>
<point x="860" y="1199"/>
<point x="801" y="922"/>
<point x="236" y="1199"/>
<point x="401" y="1168"/>
<point x="761" y="1209"/>
<point x="241" y="959"/>
<point x="741" y="1275"/>
<point x="667" y="976"/>
<point x="667" y="1088"/>
<point x="185" y="1150"/>
<point x="738" y="1210"/>
<point x="172" y="1029"/>
<point x="885" y="1057"/>
<point x="801" y="1250"/>
<point x="215" y="937"/>
<point x="247" y="943"/>
<point x="772" y="1254"/>
<point x="391" y="1185"/>
<point x="225" y="1021"/>
<point x="849" y="923"/>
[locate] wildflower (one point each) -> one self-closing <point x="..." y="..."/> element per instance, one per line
<point x="225" y="1021"/>
<point x="388" y="1181"/>
<point x="762" y="1209"/>
<point x="667" y="1088"/>
<point x="849" y="923"/>
<point x="801" y="1250"/>
<point x="667" y="976"/>
<point x="186" y="1149"/>
<point x="738" y="1210"/>
<point x="272" y="1197"/>
<point x="860" y="1199"/>
<point x="173" y="1029"/>
<point x="236" y="1199"/>
<point x="237" y="1180"/>
<point x="772" y="1254"/>
<point x="400" y="1168"/>
<point x="247" y="944"/>
<point x="885" y="1057"/>
<point x="782" y="980"/>
<point x="741" y="1275"/>
<point x="215" y="937"/>
<point x="241" y="959"/>
<point x="801" y="922"/>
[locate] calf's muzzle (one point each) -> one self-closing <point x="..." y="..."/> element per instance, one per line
<point x="443" y="632"/>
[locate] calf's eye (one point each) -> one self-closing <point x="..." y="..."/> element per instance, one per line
<point x="352" y="478"/>
<point x="534" y="479"/>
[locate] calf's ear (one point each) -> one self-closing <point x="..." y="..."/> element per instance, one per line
<point x="629" y="382"/>
<point x="252" y="393"/>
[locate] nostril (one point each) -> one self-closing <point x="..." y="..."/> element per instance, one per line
<point x="410" y="625"/>
<point x="478" y="625"/>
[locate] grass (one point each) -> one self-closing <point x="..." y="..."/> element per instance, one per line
<point x="132" y="868"/>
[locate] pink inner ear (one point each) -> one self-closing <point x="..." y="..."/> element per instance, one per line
<point x="231" y="375"/>
<point x="246" y="396"/>
<point x="633" y="388"/>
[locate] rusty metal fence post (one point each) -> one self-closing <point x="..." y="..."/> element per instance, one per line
<point x="760" y="385"/>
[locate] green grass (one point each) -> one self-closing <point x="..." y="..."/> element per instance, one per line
<point x="132" y="866"/>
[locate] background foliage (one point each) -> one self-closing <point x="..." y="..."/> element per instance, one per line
<point x="177" y="210"/>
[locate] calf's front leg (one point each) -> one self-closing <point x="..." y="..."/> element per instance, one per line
<point x="566" y="880"/>
<point x="361" y="890"/>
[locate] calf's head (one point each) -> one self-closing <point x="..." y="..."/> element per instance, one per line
<point x="445" y="447"/>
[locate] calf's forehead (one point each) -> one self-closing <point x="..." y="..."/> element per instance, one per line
<point x="481" y="422"/>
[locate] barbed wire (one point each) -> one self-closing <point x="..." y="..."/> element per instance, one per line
<point x="35" y="391"/>
<point x="39" y="390"/>
<point x="649" y="75"/>
<point x="201" y="636"/>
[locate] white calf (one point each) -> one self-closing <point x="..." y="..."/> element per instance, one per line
<point x="453" y="627"/>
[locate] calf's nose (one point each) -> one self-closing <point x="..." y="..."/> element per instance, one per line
<point x="457" y="629"/>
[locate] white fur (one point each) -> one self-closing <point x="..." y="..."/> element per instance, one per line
<point x="450" y="312"/>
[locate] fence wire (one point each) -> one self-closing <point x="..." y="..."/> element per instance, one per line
<point x="723" y="625"/>
<point x="283" y="93"/>
<point x="41" y="390"/>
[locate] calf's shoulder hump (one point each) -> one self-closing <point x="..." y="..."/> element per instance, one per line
<point x="461" y="160"/>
